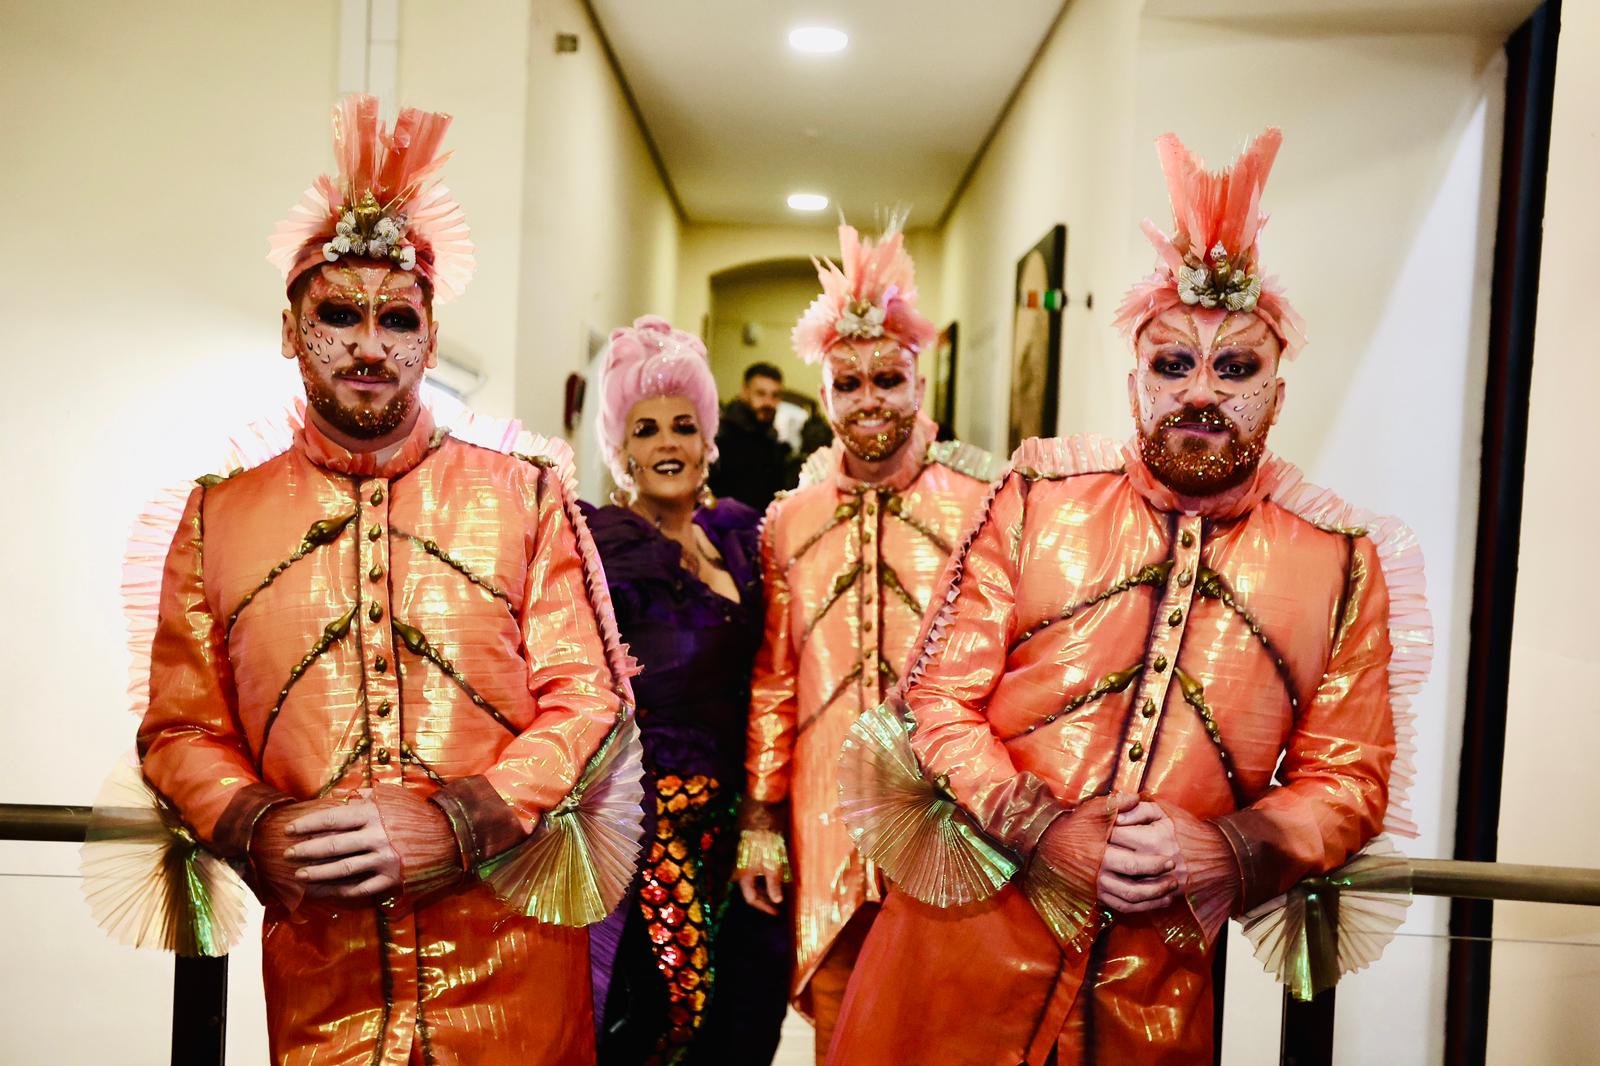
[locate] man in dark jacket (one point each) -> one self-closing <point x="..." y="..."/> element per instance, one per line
<point x="752" y="462"/>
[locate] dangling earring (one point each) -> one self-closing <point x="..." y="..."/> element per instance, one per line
<point x="703" y="496"/>
<point x="624" y="495"/>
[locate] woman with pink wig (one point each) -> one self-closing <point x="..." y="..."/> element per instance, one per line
<point x="683" y="970"/>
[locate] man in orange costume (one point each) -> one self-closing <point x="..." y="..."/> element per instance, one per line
<point x="851" y="559"/>
<point x="1132" y="638"/>
<point x="381" y="659"/>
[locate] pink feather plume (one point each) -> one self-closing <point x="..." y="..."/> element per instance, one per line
<point x="878" y="274"/>
<point x="1211" y="207"/>
<point x="399" y="168"/>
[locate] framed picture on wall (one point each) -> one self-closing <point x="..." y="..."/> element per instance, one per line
<point x="942" y="382"/>
<point x="1036" y="338"/>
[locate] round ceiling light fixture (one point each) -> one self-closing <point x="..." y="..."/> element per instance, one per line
<point x="807" y="201"/>
<point x="818" y="40"/>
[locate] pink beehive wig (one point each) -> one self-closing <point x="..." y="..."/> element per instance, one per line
<point x="870" y="293"/>
<point x="644" y="362"/>
<point x="1212" y="258"/>
<point x="385" y="202"/>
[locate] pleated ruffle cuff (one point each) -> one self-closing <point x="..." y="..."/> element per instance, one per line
<point x="1333" y="925"/>
<point x="148" y="881"/>
<point x="909" y="825"/>
<point x="578" y="863"/>
<point x="1061" y="880"/>
<point x="1213" y="890"/>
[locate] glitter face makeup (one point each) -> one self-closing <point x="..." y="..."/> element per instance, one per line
<point x="1205" y="394"/>
<point x="363" y="336"/>
<point x="871" y="395"/>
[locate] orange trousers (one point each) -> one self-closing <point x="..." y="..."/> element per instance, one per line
<point x="828" y="983"/>
<point x="987" y="985"/>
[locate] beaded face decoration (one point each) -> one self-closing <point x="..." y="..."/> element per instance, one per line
<point x="1205" y="394"/>
<point x="363" y="337"/>
<point x="871" y="395"/>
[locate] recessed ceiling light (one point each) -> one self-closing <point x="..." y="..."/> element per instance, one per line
<point x="807" y="201"/>
<point x="819" y="40"/>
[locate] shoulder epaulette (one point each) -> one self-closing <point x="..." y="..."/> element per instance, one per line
<point x="1342" y="531"/>
<point x="262" y="441"/>
<point x="965" y="459"/>
<point x="819" y="466"/>
<point x="548" y="453"/>
<point x="1051" y="458"/>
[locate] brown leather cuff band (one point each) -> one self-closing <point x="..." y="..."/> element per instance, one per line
<point x="755" y="816"/>
<point x="483" y="822"/>
<point x="231" y="838"/>
<point x="1250" y="834"/>
<point x="466" y="847"/>
<point x="1028" y="810"/>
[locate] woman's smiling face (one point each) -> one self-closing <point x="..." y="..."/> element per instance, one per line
<point x="665" y="451"/>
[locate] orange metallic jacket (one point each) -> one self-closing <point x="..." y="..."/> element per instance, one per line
<point x="850" y="569"/>
<point x="1094" y="639"/>
<point x="435" y="622"/>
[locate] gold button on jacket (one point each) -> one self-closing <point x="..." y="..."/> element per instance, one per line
<point x="289" y="592"/>
<point x="850" y="569"/>
<point x="1246" y="669"/>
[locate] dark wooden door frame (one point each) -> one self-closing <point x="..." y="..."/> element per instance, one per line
<point x="1530" y="92"/>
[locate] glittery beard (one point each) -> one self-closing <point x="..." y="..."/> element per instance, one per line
<point x="876" y="447"/>
<point x="362" y="422"/>
<point x="1190" y="468"/>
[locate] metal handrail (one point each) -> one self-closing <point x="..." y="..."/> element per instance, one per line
<point x="199" y="984"/>
<point x="1307" y="1035"/>
<point x="39" y="821"/>
<point x="1505" y="881"/>
<point x="199" y="999"/>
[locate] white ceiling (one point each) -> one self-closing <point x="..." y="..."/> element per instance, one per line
<point x="742" y="120"/>
<point x="1474" y="18"/>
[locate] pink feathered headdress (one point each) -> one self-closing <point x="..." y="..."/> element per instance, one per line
<point x="1212" y="258"/>
<point x="384" y="204"/>
<point x="871" y="293"/>
<point x="652" y="359"/>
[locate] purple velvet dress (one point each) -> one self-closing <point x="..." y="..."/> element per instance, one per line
<point x="684" y="970"/>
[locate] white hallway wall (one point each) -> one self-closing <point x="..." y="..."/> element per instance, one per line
<point x="137" y="367"/>
<point x="1383" y="206"/>
<point x="151" y="146"/>
<point x="1542" y="991"/>
<point x="143" y="332"/>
